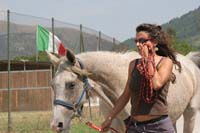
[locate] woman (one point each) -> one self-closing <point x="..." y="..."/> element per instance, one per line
<point x="148" y="83"/>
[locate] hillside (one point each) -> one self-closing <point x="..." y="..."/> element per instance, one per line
<point x="187" y="28"/>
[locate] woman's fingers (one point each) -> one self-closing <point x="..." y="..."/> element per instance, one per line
<point x="105" y="126"/>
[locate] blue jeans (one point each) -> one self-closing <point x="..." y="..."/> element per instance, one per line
<point x="163" y="125"/>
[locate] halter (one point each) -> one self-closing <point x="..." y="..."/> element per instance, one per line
<point x="76" y="107"/>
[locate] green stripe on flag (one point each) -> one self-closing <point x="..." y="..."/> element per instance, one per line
<point x="42" y="38"/>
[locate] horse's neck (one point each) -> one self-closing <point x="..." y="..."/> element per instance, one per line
<point x="108" y="68"/>
<point x="109" y="73"/>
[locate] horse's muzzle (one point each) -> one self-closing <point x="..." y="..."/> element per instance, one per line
<point x="58" y="128"/>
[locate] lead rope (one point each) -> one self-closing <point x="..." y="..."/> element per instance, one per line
<point x="93" y="126"/>
<point x="143" y="67"/>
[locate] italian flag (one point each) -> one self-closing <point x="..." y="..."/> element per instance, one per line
<point x="45" y="42"/>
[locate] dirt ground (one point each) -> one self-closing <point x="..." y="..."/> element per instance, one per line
<point x="196" y="128"/>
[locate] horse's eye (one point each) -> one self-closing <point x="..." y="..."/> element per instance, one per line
<point x="70" y="85"/>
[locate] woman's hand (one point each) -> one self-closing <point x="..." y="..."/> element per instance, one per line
<point x="145" y="51"/>
<point x="106" y="124"/>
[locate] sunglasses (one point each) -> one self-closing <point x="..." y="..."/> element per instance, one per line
<point x="141" y="40"/>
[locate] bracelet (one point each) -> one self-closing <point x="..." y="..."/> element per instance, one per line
<point x="109" y="118"/>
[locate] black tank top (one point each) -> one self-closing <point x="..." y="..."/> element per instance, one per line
<point x="139" y="106"/>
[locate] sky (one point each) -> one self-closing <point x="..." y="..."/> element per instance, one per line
<point x="115" y="18"/>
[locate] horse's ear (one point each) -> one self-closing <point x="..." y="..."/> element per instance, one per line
<point x="70" y="56"/>
<point x="53" y="59"/>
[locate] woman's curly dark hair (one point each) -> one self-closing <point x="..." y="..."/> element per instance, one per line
<point x="164" y="46"/>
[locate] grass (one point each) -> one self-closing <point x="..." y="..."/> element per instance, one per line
<point x="39" y="122"/>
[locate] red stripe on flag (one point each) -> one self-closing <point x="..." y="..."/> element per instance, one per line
<point x="61" y="50"/>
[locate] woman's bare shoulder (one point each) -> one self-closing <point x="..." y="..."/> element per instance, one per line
<point x="133" y="62"/>
<point x="166" y="62"/>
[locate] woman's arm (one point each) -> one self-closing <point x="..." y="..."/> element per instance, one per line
<point x="163" y="74"/>
<point x="125" y="96"/>
<point x="121" y="101"/>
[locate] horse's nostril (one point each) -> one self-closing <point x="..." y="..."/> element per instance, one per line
<point x="60" y="125"/>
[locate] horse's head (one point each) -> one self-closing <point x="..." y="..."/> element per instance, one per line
<point x="69" y="85"/>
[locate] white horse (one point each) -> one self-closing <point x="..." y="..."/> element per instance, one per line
<point x="105" y="73"/>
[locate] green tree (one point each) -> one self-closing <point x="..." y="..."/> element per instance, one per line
<point x="172" y="33"/>
<point x="180" y="46"/>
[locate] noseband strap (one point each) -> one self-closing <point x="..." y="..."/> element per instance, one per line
<point x="65" y="104"/>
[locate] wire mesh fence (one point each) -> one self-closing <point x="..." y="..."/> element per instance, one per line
<point x="25" y="103"/>
<point x="22" y="35"/>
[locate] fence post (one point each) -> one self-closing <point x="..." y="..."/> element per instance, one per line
<point x="36" y="52"/>
<point x="82" y="48"/>
<point x="52" y="22"/>
<point x="8" y="76"/>
<point x="99" y="45"/>
<point x="53" y="40"/>
<point x="113" y="44"/>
